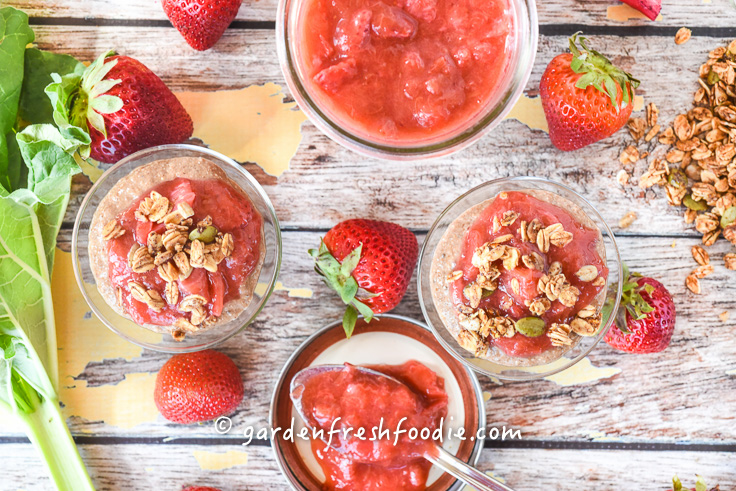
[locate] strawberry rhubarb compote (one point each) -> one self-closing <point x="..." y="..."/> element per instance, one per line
<point x="404" y="71"/>
<point x="177" y="246"/>
<point x="366" y="453"/>
<point x="520" y="277"/>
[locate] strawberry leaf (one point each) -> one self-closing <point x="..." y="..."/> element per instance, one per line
<point x="600" y="73"/>
<point x="349" y="320"/>
<point x="676" y="484"/>
<point x="338" y="276"/>
<point x="350" y="262"/>
<point x="106" y="104"/>
<point x="364" y="310"/>
<point x="700" y="484"/>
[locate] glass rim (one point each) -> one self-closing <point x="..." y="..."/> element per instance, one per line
<point x="464" y="136"/>
<point x="423" y="302"/>
<point x="92" y="303"/>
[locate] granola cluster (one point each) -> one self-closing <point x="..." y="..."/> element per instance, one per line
<point x="480" y="325"/>
<point x="697" y="164"/>
<point x="174" y="254"/>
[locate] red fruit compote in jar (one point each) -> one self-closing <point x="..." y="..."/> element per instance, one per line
<point x="519" y="278"/>
<point x="405" y="72"/>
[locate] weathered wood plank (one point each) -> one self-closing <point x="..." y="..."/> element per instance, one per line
<point x="676" y="13"/>
<point x="123" y="467"/>
<point x="331" y="183"/>
<point x="682" y="394"/>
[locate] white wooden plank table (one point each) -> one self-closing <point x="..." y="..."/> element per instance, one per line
<point x="673" y="412"/>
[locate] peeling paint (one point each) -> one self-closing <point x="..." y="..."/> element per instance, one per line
<point x="213" y="461"/>
<point x="624" y="13"/>
<point x="580" y="373"/>
<point x="528" y="111"/>
<point x="279" y="287"/>
<point x="126" y="404"/>
<point x="252" y="124"/>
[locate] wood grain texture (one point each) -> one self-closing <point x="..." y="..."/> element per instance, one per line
<point x="331" y="183"/>
<point x="680" y="395"/>
<point x="171" y="467"/>
<point x="717" y="13"/>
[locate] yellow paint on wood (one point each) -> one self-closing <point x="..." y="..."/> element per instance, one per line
<point x="731" y="372"/>
<point x="251" y="124"/>
<point x="125" y="405"/>
<point x="580" y="373"/>
<point x="81" y="337"/>
<point x="623" y="13"/>
<point x="486" y="396"/>
<point x="279" y="287"/>
<point x="488" y="473"/>
<point x="528" y="110"/>
<point x="638" y="103"/>
<point x="213" y="461"/>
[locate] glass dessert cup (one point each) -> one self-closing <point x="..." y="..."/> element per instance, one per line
<point x="523" y="46"/>
<point x="124" y="326"/>
<point x="582" y="345"/>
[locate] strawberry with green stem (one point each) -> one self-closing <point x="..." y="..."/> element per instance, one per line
<point x="585" y="97"/>
<point x="369" y="264"/>
<point x="123" y="106"/>
<point x="646" y="319"/>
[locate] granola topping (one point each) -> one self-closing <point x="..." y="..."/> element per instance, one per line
<point x="112" y="230"/>
<point x="559" y="334"/>
<point x="524" y="281"/>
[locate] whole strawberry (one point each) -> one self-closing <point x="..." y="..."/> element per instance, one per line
<point x="585" y="98"/>
<point x="201" y="22"/>
<point x="369" y="263"/>
<point x="646" y="319"/>
<point x="196" y="387"/>
<point x="123" y="105"/>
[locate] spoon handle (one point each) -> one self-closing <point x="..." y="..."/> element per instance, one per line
<point x="466" y="473"/>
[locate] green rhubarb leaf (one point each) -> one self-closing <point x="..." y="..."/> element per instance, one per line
<point x="15" y="35"/>
<point x="35" y="106"/>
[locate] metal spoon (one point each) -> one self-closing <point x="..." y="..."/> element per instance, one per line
<point x="436" y="454"/>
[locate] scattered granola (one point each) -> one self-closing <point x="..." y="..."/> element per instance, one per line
<point x="693" y="284"/>
<point x="683" y="35"/>
<point x="700" y="255"/>
<point x="697" y="167"/>
<point x="703" y="271"/>
<point x="627" y="220"/>
<point x="730" y="260"/>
